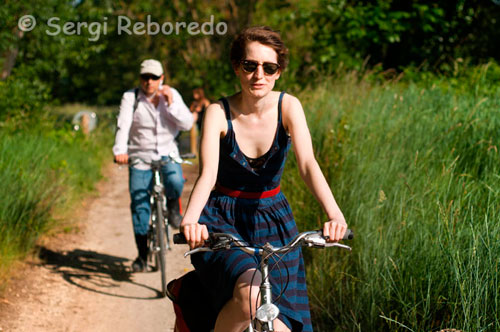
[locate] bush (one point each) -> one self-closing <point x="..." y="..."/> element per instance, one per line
<point x="22" y="98"/>
<point x="41" y="169"/>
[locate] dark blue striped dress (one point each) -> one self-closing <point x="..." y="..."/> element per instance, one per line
<point x="256" y="221"/>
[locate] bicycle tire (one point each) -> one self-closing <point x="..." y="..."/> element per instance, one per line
<point x="167" y="230"/>
<point x="151" y="253"/>
<point x="162" y="254"/>
<point x="153" y="260"/>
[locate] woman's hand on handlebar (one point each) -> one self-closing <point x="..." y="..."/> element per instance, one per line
<point x="196" y="234"/>
<point x="334" y="230"/>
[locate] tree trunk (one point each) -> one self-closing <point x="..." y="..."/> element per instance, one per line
<point x="10" y="57"/>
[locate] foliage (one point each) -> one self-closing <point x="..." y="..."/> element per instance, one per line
<point x="398" y="34"/>
<point x="41" y="60"/>
<point x="21" y="98"/>
<point x="461" y="77"/>
<point x="408" y="140"/>
<point x="42" y="169"/>
<point x="415" y="171"/>
<point x="96" y="66"/>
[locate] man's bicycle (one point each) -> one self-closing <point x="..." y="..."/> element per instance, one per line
<point x="267" y="311"/>
<point x="158" y="237"/>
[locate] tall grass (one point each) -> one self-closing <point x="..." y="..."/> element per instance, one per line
<point x="416" y="173"/>
<point x="42" y="168"/>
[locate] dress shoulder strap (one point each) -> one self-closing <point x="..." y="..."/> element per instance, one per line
<point x="227" y="111"/>
<point x="279" y="105"/>
<point x="226" y="108"/>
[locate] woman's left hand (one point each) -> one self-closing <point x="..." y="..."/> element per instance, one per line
<point x="334" y="230"/>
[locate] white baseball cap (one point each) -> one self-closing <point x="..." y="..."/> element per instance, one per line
<point x="151" y="66"/>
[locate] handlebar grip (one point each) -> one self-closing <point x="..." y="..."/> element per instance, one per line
<point x="349" y="234"/>
<point x="179" y="238"/>
<point x="188" y="156"/>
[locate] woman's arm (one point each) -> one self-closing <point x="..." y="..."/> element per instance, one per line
<point x="294" y="121"/>
<point x="214" y="126"/>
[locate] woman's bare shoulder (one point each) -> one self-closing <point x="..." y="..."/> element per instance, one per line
<point x="215" y="116"/>
<point x="290" y="101"/>
<point x="291" y="105"/>
<point x="216" y="110"/>
<point x="292" y="110"/>
<point x="217" y="105"/>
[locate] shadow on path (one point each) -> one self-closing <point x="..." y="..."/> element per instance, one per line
<point x="93" y="271"/>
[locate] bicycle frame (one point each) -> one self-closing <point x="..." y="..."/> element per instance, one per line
<point x="267" y="312"/>
<point x="158" y="190"/>
<point x="158" y="234"/>
<point x="158" y="197"/>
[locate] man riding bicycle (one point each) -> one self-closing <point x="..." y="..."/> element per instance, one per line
<point x="149" y="120"/>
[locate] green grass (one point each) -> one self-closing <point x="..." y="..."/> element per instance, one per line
<point x="44" y="167"/>
<point x="416" y="172"/>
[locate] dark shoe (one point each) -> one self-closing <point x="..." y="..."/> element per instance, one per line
<point x="175" y="220"/>
<point x="174" y="214"/>
<point x="142" y="246"/>
<point x="139" y="265"/>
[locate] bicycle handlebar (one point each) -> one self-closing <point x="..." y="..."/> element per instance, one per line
<point x="188" y="156"/>
<point x="179" y="238"/>
<point x="179" y="159"/>
<point x="220" y="241"/>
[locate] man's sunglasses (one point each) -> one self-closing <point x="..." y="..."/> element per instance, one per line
<point x="146" y="77"/>
<point x="250" y="66"/>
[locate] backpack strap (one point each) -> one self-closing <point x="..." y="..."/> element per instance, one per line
<point x="136" y="100"/>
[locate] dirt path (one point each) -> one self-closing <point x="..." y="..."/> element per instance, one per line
<point x="81" y="282"/>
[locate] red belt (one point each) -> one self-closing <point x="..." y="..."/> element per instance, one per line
<point x="247" y="194"/>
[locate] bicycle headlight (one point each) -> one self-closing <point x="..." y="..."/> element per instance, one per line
<point x="267" y="312"/>
<point x="158" y="189"/>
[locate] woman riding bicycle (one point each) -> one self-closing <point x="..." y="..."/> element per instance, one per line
<point x="245" y="140"/>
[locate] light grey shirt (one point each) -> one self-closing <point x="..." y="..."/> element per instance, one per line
<point x="149" y="132"/>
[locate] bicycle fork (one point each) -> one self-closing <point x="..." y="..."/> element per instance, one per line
<point x="158" y="189"/>
<point x="267" y="311"/>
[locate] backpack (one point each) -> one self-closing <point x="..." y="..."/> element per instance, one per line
<point x="193" y="312"/>
<point x="136" y="100"/>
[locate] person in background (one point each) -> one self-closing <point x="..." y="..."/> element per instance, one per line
<point x="198" y="106"/>
<point x="150" y="118"/>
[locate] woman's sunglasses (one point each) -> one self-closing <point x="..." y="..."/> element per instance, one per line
<point x="250" y="66"/>
<point x="146" y="77"/>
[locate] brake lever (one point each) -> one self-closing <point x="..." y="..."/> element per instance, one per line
<point x="336" y="244"/>
<point x="315" y="241"/>
<point x="195" y="250"/>
<point x="222" y="246"/>
<point x="318" y="241"/>
<point x="225" y="243"/>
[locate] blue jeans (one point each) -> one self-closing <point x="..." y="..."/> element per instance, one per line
<point x="140" y="186"/>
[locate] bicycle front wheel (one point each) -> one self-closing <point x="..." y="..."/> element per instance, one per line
<point x="162" y="254"/>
